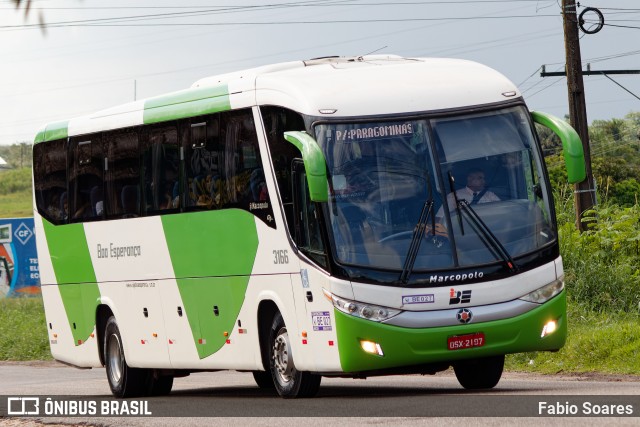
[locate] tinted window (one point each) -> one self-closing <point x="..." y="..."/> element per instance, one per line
<point x="223" y="167"/>
<point x="86" y="176"/>
<point x="277" y="121"/>
<point x="161" y="165"/>
<point x="203" y="148"/>
<point x="50" y="177"/>
<point x="123" y="175"/>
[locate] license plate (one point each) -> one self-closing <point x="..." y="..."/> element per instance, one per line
<point x="465" y="341"/>
<point x="321" y="320"/>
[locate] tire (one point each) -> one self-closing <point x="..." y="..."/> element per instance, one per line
<point x="124" y="381"/>
<point x="479" y="373"/>
<point x="288" y="381"/>
<point x="263" y="379"/>
<point x="159" y="385"/>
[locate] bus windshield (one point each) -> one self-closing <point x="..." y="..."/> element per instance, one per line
<point x="479" y="175"/>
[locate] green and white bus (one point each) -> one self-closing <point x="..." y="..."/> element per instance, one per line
<point x="302" y="220"/>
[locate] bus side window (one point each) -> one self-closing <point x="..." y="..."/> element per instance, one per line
<point x="123" y="171"/>
<point x="86" y="172"/>
<point x="278" y="120"/>
<point x="160" y="170"/>
<point x="50" y="178"/>
<point x="201" y="145"/>
<point x="243" y="184"/>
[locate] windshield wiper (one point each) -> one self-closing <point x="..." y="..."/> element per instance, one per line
<point x="418" y="234"/>
<point x="455" y="197"/>
<point x="489" y="237"/>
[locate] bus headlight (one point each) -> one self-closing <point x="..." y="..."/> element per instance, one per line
<point x="371" y="312"/>
<point x="545" y="293"/>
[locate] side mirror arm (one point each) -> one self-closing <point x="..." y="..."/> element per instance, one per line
<point x="314" y="163"/>
<point x="571" y="145"/>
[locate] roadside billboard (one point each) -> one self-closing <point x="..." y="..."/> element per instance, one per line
<point x="19" y="273"/>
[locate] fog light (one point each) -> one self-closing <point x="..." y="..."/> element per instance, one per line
<point x="549" y="328"/>
<point x="371" y="347"/>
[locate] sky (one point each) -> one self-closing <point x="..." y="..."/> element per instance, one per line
<point x="95" y="54"/>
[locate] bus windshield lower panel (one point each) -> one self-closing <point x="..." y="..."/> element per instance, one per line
<point x="382" y="175"/>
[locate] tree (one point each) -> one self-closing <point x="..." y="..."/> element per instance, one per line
<point x="19" y="155"/>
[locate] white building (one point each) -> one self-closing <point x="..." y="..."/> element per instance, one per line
<point x="3" y="164"/>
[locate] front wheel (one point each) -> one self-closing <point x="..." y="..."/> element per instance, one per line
<point x="479" y="373"/>
<point x="288" y="381"/>
<point x="124" y="381"/>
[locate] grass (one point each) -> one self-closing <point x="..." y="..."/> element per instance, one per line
<point x="16" y="205"/>
<point x="23" y="334"/>
<point x="597" y="342"/>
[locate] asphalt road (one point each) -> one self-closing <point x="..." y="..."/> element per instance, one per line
<point x="227" y="398"/>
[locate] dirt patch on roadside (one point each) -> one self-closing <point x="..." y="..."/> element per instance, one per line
<point x="35" y="363"/>
<point x="575" y="376"/>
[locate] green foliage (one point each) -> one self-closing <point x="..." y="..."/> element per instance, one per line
<point x="597" y="342"/>
<point x="23" y="335"/>
<point x="557" y="172"/>
<point x="602" y="265"/>
<point x="15" y="181"/>
<point x="615" y="159"/>
<point x="615" y="155"/>
<point x="16" y="205"/>
<point x="16" y="196"/>
<point x="549" y="141"/>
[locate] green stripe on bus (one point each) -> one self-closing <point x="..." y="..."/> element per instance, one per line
<point x="75" y="277"/>
<point x="57" y="130"/>
<point x="187" y="103"/>
<point x="39" y="137"/>
<point x="212" y="254"/>
<point x="53" y="131"/>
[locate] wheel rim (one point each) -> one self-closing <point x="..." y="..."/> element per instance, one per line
<point x="114" y="359"/>
<point x="282" y="360"/>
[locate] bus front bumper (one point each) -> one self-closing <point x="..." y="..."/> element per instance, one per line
<point x="389" y="347"/>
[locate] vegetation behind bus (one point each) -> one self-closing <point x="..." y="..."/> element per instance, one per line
<point x="16" y="193"/>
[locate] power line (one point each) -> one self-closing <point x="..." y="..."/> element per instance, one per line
<point x="292" y="4"/>
<point x="621" y="26"/>
<point x="544" y="88"/>
<point x="215" y="24"/>
<point x="616" y="8"/>
<point x="636" y="96"/>
<point x="209" y="11"/>
<point x="235" y="8"/>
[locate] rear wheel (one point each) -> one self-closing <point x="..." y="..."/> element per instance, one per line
<point x="479" y="373"/>
<point x="124" y="381"/>
<point x="288" y="381"/>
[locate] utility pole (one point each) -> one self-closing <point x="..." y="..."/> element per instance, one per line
<point x="585" y="194"/>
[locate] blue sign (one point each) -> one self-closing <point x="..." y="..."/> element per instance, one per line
<point x="19" y="273"/>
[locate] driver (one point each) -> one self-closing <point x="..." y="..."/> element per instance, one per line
<point x="475" y="191"/>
